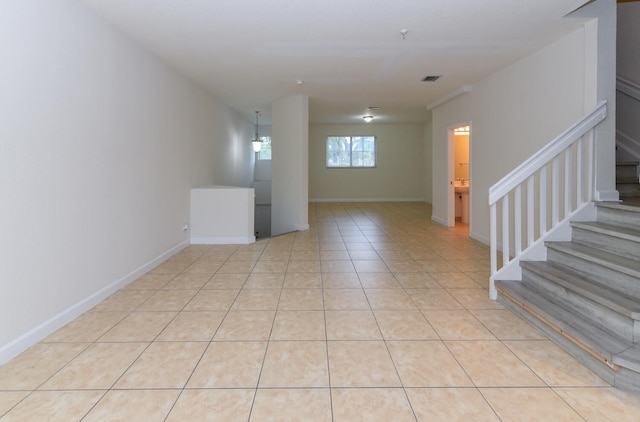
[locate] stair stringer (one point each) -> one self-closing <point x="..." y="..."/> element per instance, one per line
<point x="538" y="251"/>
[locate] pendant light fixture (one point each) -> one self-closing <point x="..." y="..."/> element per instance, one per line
<point x="257" y="143"/>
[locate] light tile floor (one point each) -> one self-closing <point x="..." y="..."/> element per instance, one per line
<point x="374" y="314"/>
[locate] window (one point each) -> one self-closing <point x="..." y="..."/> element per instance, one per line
<point x="265" y="151"/>
<point x="351" y="151"/>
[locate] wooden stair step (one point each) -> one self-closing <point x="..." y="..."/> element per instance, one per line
<point x="586" y="286"/>
<point x="607" y="260"/>
<point x="618" y="206"/>
<point x="633" y="201"/>
<point x="627" y="171"/>
<point x="615" y="239"/>
<point x="609" y="229"/>
<point x="628" y="189"/>
<point x="630" y="358"/>
<point x="595" y="340"/>
<point x="627" y="179"/>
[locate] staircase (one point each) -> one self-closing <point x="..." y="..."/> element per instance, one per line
<point x="586" y="296"/>
<point x="627" y="181"/>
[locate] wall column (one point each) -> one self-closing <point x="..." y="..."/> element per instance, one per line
<point x="290" y="165"/>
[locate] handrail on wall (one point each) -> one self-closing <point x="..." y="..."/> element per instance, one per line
<point x="573" y="188"/>
<point x="628" y="87"/>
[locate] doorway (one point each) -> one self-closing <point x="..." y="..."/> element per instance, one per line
<point x="460" y="176"/>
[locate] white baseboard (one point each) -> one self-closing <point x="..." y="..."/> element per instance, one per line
<point x="301" y="227"/>
<point x="367" y="200"/>
<point x="222" y="240"/>
<point x="439" y="220"/>
<point x="12" y="349"/>
<point x="482" y="239"/>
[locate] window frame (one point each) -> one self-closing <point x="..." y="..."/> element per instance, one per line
<point x="351" y="151"/>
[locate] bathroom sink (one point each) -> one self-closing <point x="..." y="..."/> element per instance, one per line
<point x="461" y="187"/>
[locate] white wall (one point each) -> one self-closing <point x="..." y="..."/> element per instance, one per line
<point x="628" y="67"/>
<point x="447" y="116"/>
<point x="290" y="164"/>
<point x="601" y="85"/>
<point x="427" y="157"/>
<point x="99" y="147"/>
<point x="520" y="109"/>
<point x="513" y="113"/>
<point x="628" y="48"/>
<point x="462" y="164"/>
<point x="401" y="168"/>
<point x="233" y="158"/>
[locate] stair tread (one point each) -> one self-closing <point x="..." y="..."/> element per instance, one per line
<point x="610" y="229"/>
<point x="586" y="286"/>
<point x="630" y="201"/>
<point x="630" y="358"/>
<point x="608" y="260"/>
<point x="591" y="335"/>
<point x="618" y="206"/>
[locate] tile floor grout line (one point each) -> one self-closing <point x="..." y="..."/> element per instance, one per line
<point x="326" y="346"/>
<point x="361" y="217"/>
<point x="97" y="340"/>
<point x="160" y="333"/>
<point x="264" y="357"/>
<point x="395" y="367"/>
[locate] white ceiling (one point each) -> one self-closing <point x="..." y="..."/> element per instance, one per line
<point x="350" y="54"/>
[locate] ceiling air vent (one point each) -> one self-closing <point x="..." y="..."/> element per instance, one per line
<point x="431" y="78"/>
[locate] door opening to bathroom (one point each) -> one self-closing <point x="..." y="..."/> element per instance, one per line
<point x="459" y="176"/>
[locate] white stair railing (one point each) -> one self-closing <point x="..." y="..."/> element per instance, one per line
<point x="540" y="194"/>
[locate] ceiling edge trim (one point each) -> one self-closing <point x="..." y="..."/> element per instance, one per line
<point x="450" y="96"/>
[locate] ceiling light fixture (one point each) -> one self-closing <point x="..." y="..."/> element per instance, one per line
<point x="369" y="117"/>
<point x="257" y="143"/>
